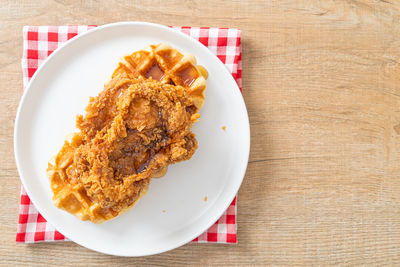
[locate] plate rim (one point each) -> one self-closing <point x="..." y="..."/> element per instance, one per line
<point x="245" y="139"/>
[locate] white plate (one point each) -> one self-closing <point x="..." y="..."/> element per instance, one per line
<point x="60" y="89"/>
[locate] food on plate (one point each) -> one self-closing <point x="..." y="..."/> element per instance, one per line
<point x="139" y="124"/>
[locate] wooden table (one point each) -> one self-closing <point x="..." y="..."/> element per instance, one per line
<point x="321" y="80"/>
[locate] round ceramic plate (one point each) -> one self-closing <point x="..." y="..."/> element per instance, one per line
<point x="173" y="212"/>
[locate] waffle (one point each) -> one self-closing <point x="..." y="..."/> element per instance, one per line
<point x="168" y="65"/>
<point x="130" y="133"/>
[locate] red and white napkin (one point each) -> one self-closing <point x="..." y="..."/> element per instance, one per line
<point x="41" y="41"/>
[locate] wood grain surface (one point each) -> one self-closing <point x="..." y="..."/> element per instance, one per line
<point x="321" y="84"/>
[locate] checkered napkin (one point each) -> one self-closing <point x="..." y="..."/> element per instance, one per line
<point x="41" y="41"/>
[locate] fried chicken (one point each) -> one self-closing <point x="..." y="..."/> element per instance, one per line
<point x="130" y="133"/>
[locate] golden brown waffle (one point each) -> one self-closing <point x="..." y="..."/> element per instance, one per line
<point x="168" y="65"/>
<point x="132" y="130"/>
